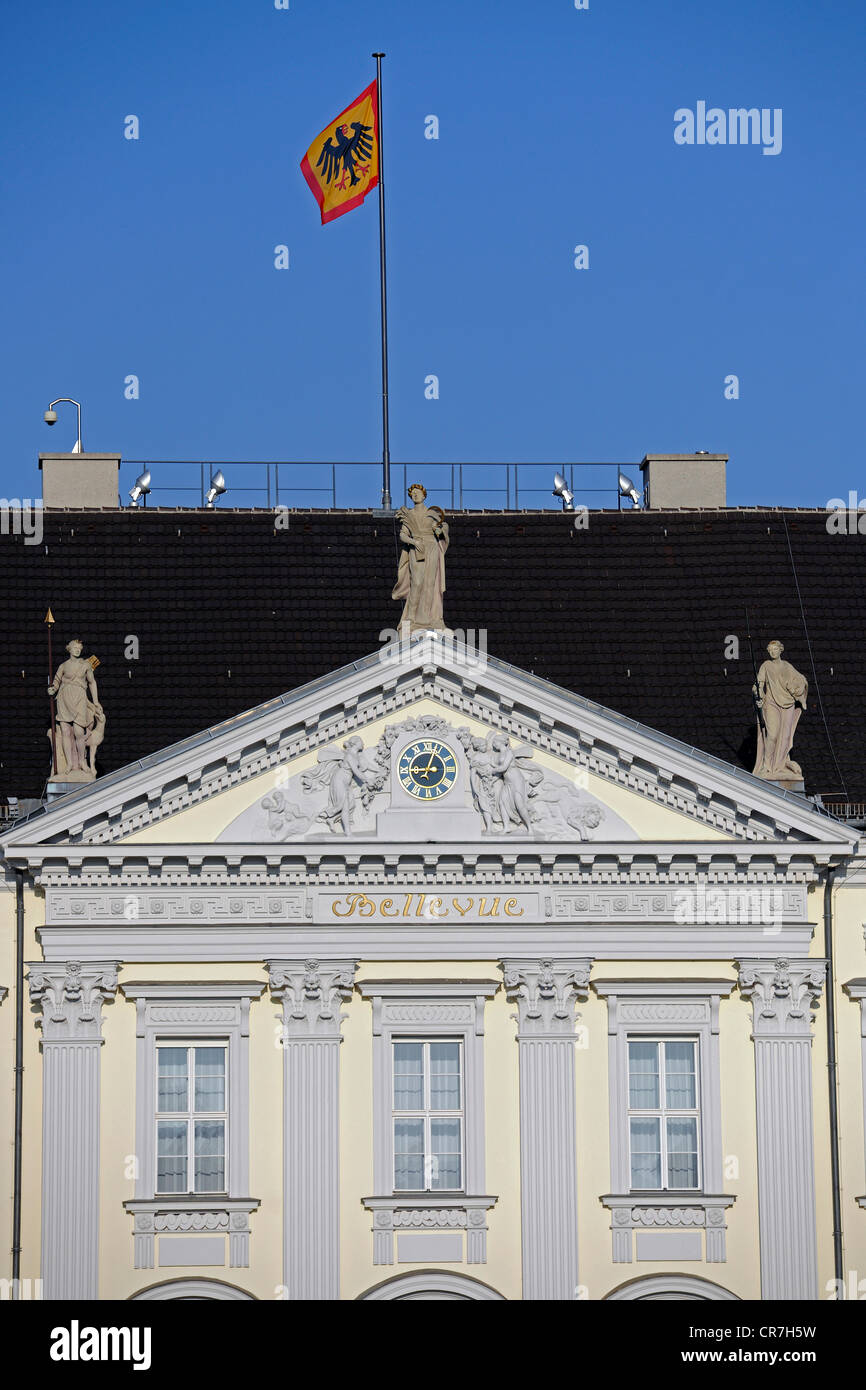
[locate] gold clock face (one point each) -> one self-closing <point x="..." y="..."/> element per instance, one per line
<point x="427" y="769"/>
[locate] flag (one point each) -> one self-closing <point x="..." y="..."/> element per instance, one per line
<point x="342" y="164"/>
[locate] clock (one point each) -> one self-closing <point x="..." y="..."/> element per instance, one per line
<point x="427" y="769"/>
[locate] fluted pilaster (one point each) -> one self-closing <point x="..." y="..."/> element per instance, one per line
<point x="783" y="993"/>
<point x="311" y="993"/>
<point x="545" y="992"/>
<point x="71" y="996"/>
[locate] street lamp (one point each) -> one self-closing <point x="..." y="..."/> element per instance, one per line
<point x="50" y="418"/>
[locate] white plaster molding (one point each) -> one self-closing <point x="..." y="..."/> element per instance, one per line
<point x="545" y="991"/>
<point x="199" y="1215"/>
<point x="311" y="993"/>
<point x="619" y="750"/>
<point x="430" y="1211"/>
<point x="783" y="993"/>
<point x="670" y="1286"/>
<point x="201" y="1009"/>
<point x="373" y="942"/>
<point x="430" y="1284"/>
<point x="177" y="1289"/>
<point x="692" y="865"/>
<point x="669" y="1008"/>
<point x="430" y="1008"/>
<point x="680" y="1210"/>
<point x="856" y="990"/>
<point x="71" y="995"/>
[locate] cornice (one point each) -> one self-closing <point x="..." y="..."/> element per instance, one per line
<point x="370" y="863"/>
<point x="621" y="751"/>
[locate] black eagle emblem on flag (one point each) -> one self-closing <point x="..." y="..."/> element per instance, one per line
<point x="350" y="144"/>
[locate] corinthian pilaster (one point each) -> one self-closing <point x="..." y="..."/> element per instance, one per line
<point x="311" y="993"/>
<point x="545" y="992"/>
<point x="783" y="993"/>
<point x="71" y="996"/>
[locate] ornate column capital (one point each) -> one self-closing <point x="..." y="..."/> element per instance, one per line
<point x="311" y="993"/>
<point x="71" y="995"/>
<point x="545" y="992"/>
<point x="783" y="993"/>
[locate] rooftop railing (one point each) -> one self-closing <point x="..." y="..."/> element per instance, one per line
<point x="313" y="484"/>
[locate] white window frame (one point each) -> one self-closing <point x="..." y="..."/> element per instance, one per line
<point x="663" y="1112"/>
<point x="639" y="1010"/>
<point x="191" y="1115"/>
<point x="428" y="1114"/>
<point x="175" y="1013"/>
<point x="432" y="1010"/>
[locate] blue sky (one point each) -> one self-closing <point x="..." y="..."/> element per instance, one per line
<point x="155" y="257"/>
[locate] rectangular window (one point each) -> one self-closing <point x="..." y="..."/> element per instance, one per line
<point x="428" y="1116"/>
<point x="663" y="1114"/>
<point x="191" y="1116"/>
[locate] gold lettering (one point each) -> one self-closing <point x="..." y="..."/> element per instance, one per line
<point x="482" y="910"/>
<point x="387" y="902"/>
<point x="408" y="904"/>
<point x="352" y="899"/>
<point x="436" y="902"/>
<point x="419" y="911"/>
<point x="509" y="904"/>
<point x="463" y="910"/>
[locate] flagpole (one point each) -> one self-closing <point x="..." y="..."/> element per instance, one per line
<point x="49" y="619"/>
<point x="386" y="448"/>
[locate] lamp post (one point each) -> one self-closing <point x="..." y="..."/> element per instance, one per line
<point x="50" y="418"/>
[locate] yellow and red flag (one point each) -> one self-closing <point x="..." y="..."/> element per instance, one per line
<point x="342" y="164"/>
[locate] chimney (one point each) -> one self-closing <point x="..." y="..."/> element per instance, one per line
<point x="80" y="480"/>
<point x="684" y="480"/>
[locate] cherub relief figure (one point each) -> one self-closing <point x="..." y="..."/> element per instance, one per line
<point x="348" y="777"/>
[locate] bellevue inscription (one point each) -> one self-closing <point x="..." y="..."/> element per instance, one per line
<point x="360" y="905"/>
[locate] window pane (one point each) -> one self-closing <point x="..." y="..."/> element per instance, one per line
<point x="646" y="1159"/>
<point x="172" y="1082"/>
<point x="445" y="1159"/>
<point x="408" y="1076"/>
<point x="171" y="1157"/>
<point x="210" y="1163"/>
<point x="643" y="1075"/>
<point x="409" y="1154"/>
<point x="680" y="1080"/>
<point x="445" y="1076"/>
<point x="682" y="1152"/>
<point x="210" y="1078"/>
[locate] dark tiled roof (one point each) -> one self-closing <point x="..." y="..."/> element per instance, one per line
<point x="633" y="612"/>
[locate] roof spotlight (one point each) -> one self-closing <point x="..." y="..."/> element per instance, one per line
<point x="216" y="489"/>
<point x="141" y="489"/>
<point x="628" y="489"/>
<point x="561" y="490"/>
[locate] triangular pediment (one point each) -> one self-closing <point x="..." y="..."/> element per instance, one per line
<point x="277" y="773"/>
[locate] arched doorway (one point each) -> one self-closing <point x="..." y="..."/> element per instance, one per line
<point x="192" y="1289"/>
<point x="670" y="1286"/>
<point x="430" y="1284"/>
